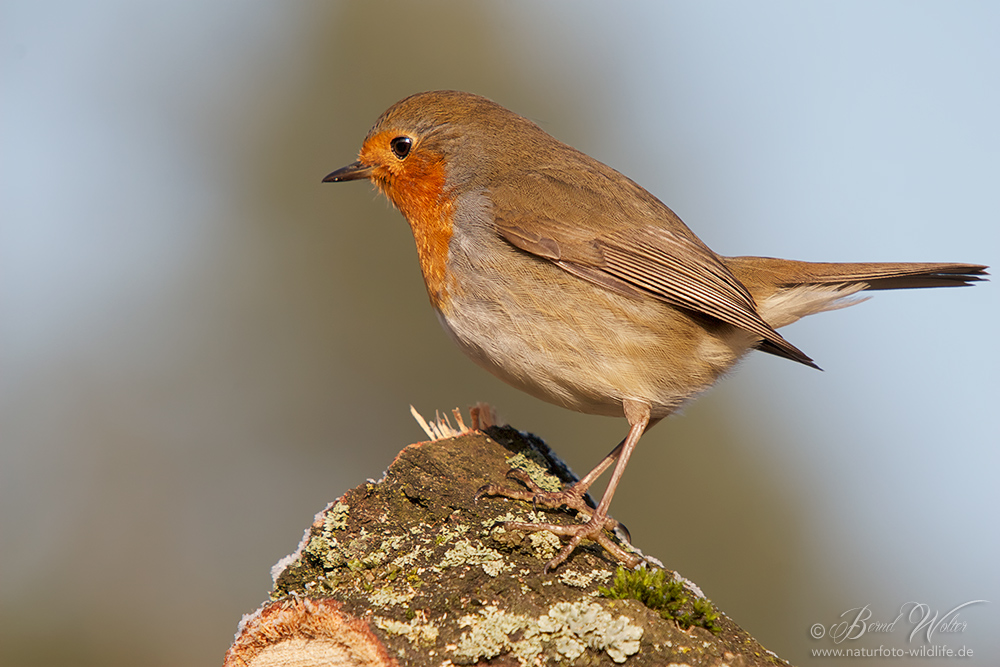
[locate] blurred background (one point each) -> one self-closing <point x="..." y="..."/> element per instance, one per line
<point x="201" y="345"/>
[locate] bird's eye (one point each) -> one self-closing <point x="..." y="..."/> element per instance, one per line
<point x="401" y="146"/>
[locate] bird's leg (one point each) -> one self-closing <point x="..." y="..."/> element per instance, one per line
<point x="638" y="415"/>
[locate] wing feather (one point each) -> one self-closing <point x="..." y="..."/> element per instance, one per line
<point x="632" y="245"/>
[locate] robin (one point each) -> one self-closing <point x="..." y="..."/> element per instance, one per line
<point x="568" y="280"/>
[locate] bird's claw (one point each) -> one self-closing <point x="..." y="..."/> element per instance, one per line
<point x="594" y="530"/>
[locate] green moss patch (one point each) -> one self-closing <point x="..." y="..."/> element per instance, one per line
<point x="665" y="596"/>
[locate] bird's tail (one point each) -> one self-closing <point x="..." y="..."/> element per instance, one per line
<point x="786" y="290"/>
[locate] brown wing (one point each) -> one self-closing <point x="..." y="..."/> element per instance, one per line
<point x="615" y="234"/>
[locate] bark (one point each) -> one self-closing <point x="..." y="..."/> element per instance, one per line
<point x="412" y="570"/>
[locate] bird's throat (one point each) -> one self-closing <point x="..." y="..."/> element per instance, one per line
<point x="419" y="193"/>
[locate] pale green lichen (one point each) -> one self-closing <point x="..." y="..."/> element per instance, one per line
<point x="575" y="626"/>
<point x="464" y="553"/>
<point x="496" y="523"/>
<point x="381" y="554"/>
<point x="488" y="635"/>
<point x="544" y="544"/>
<point x="336" y="517"/>
<point x="386" y="596"/>
<point x="324" y="550"/>
<point x="357" y="554"/>
<point x="534" y="464"/>
<point x="417" y="632"/>
<point x="415" y="553"/>
<point x="447" y="534"/>
<point x="583" y="579"/>
<point x="564" y="632"/>
<point x="407" y="559"/>
<point x="324" y="547"/>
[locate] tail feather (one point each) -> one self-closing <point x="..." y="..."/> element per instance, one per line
<point x="879" y="276"/>
<point x="767" y="272"/>
<point x="786" y="290"/>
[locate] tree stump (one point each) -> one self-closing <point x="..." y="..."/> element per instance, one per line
<point x="412" y="570"/>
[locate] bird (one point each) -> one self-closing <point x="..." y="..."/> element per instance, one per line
<point x="568" y="280"/>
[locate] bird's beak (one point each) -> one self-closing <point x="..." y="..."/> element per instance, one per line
<point x="351" y="172"/>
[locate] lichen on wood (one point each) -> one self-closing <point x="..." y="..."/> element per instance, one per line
<point x="435" y="577"/>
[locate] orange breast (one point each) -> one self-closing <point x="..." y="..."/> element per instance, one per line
<point x="418" y="191"/>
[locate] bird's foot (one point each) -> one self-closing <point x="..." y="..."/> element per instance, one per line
<point x="572" y="497"/>
<point x="594" y="530"/>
